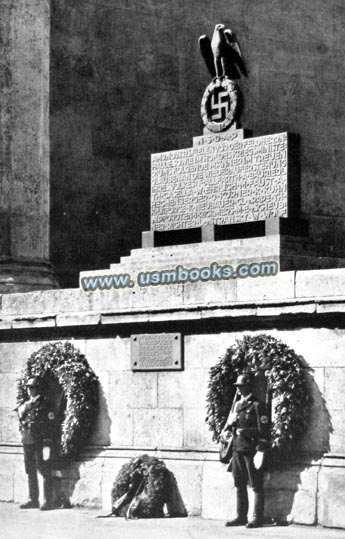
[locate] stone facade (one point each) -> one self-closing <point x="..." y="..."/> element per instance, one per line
<point x="164" y="412"/>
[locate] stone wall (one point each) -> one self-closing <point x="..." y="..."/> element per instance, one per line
<point x="127" y="80"/>
<point x="165" y="411"/>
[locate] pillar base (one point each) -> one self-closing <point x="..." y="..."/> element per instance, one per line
<point x="25" y="275"/>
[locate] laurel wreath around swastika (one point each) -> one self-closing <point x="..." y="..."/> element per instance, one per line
<point x="219" y="105"/>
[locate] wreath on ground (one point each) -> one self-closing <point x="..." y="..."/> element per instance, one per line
<point x="142" y="488"/>
<point x="286" y="384"/>
<point x="70" y="369"/>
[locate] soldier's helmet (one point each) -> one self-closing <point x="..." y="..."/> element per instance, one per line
<point x="32" y="382"/>
<point x="243" y="380"/>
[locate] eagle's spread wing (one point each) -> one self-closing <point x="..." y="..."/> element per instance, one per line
<point x="206" y="51"/>
<point x="233" y="59"/>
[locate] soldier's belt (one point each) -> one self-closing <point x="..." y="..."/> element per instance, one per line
<point x="245" y="430"/>
<point x="28" y="425"/>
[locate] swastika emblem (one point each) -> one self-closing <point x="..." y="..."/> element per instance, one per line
<point x="220" y="105"/>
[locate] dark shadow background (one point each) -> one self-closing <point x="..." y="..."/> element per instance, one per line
<point x="284" y="473"/>
<point x="66" y="473"/>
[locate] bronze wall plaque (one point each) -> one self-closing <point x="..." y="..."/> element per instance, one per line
<point x="225" y="183"/>
<point x="156" y="352"/>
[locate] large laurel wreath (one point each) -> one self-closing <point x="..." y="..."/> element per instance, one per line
<point x="80" y="386"/>
<point x="286" y="381"/>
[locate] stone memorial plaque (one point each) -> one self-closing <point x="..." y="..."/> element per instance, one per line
<point x="225" y="183"/>
<point x="156" y="352"/>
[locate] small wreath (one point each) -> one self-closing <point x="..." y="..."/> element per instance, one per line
<point x="71" y="370"/>
<point x="157" y="482"/>
<point x="286" y="381"/>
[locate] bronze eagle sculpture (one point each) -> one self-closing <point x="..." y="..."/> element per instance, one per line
<point x="222" y="55"/>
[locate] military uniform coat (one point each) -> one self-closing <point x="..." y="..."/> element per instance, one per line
<point x="250" y="434"/>
<point x="37" y="421"/>
<point x="251" y="430"/>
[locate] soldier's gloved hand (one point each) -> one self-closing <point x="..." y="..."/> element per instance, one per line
<point x="258" y="459"/>
<point x="46" y="453"/>
<point x="225" y="434"/>
<point x="21" y="411"/>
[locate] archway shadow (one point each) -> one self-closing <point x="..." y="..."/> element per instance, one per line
<point x="66" y="472"/>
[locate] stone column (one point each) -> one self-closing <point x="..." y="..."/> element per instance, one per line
<point x="24" y="146"/>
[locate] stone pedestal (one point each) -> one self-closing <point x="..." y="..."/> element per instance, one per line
<point x="232" y="188"/>
<point x="24" y="146"/>
<point x="228" y="201"/>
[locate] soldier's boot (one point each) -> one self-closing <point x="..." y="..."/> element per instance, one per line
<point x="62" y="499"/>
<point x="48" y="493"/>
<point x="258" y="513"/>
<point x="33" y="493"/>
<point x="242" y="508"/>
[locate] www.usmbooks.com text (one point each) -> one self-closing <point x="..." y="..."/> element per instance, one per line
<point x="180" y="274"/>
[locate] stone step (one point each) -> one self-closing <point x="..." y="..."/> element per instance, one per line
<point x="286" y="263"/>
<point x="222" y="249"/>
<point x="291" y="253"/>
<point x="257" y="249"/>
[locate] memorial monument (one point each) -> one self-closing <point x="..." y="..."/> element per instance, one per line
<point x="230" y="185"/>
<point x="230" y="196"/>
<point x="227" y="259"/>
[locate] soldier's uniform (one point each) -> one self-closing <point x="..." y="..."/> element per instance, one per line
<point x="37" y="426"/>
<point x="250" y="430"/>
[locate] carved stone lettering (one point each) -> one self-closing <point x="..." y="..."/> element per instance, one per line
<point x="222" y="183"/>
<point x="157" y="351"/>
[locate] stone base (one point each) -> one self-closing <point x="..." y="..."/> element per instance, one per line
<point x="299" y="493"/>
<point x="290" y="252"/>
<point x="142" y="411"/>
<point x="212" y="232"/>
<point x="25" y="275"/>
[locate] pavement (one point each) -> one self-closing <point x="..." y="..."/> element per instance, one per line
<point x="80" y="523"/>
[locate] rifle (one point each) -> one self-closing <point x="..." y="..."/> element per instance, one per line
<point x="226" y="443"/>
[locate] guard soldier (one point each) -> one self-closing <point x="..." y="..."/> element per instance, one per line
<point x="250" y="429"/>
<point x="37" y="424"/>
